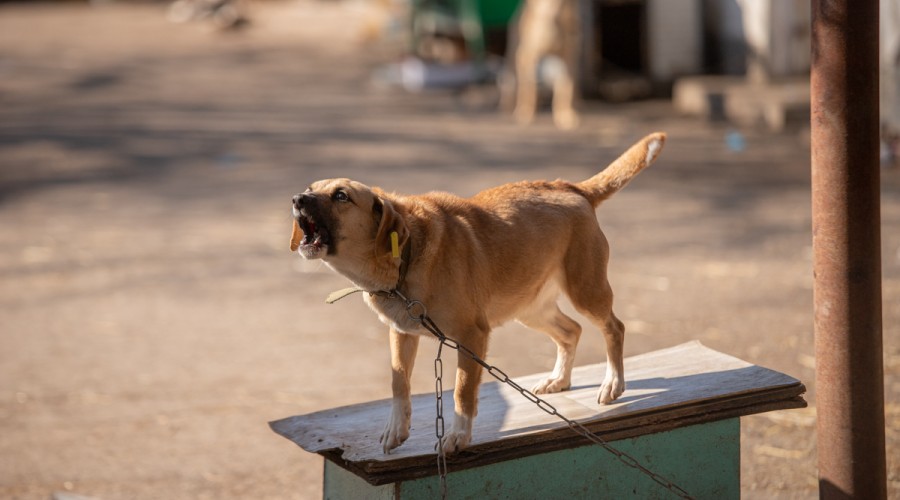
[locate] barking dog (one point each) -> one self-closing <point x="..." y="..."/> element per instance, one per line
<point x="506" y="253"/>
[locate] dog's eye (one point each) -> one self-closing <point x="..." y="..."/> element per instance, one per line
<point x="340" y="196"/>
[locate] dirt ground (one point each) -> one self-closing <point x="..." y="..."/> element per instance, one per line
<point x="152" y="320"/>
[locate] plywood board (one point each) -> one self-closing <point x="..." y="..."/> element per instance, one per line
<point x="666" y="389"/>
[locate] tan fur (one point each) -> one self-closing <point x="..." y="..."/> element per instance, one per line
<point x="506" y="253"/>
<point x="545" y="28"/>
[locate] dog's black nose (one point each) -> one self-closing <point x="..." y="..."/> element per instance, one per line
<point x="303" y="199"/>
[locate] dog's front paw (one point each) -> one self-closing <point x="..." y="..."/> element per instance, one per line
<point x="397" y="429"/>
<point x="550" y="385"/>
<point x="459" y="436"/>
<point x="455" y="440"/>
<point x="610" y="389"/>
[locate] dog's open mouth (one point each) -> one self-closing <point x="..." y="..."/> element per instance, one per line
<point x="315" y="237"/>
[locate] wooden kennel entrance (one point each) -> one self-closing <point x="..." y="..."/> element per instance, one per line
<point x="679" y="418"/>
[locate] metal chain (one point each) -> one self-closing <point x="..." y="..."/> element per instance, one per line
<point x="502" y="377"/>
<point x="439" y="420"/>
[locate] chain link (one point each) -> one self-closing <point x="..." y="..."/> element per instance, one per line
<point x="439" y="419"/>
<point x="502" y="377"/>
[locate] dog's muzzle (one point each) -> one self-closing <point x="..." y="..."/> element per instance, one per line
<point x="316" y="236"/>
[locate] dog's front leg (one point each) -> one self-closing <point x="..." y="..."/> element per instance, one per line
<point x="465" y="395"/>
<point x="403" y="356"/>
<point x="526" y="85"/>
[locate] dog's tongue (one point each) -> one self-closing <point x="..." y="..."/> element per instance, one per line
<point x="296" y="236"/>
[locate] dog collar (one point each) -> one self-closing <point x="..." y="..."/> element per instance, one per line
<point x="404" y="268"/>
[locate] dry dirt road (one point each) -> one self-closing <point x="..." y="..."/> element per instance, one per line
<point x="152" y="320"/>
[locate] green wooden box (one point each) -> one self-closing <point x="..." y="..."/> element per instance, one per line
<point x="679" y="418"/>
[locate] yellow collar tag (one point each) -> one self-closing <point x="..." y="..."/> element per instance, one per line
<point x="395" y="244"/>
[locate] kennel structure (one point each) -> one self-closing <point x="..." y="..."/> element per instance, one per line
<point x="679" y="418"/>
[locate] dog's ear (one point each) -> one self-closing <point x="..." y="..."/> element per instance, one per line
<point x="389" y="221"/>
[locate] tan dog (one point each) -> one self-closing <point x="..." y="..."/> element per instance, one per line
<point x="475" y="263"/>
<point x="547" y="35"/>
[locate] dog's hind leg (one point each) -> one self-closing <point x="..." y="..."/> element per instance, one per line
<point x="588" y="288"/>
<point x="597" y="306"/>
<point x="599" y="311"/>
<point x="545" y="316"/>
<point x="614" y="381"/>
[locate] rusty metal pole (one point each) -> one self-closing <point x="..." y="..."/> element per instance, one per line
<point x="847" y="249"/>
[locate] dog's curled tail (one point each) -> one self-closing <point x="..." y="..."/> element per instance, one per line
<point x="618" y="173"/>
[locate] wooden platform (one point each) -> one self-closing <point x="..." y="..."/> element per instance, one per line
<point x="677" y="387"/>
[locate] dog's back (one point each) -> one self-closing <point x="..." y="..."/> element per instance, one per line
<point x="506" y="233"/>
